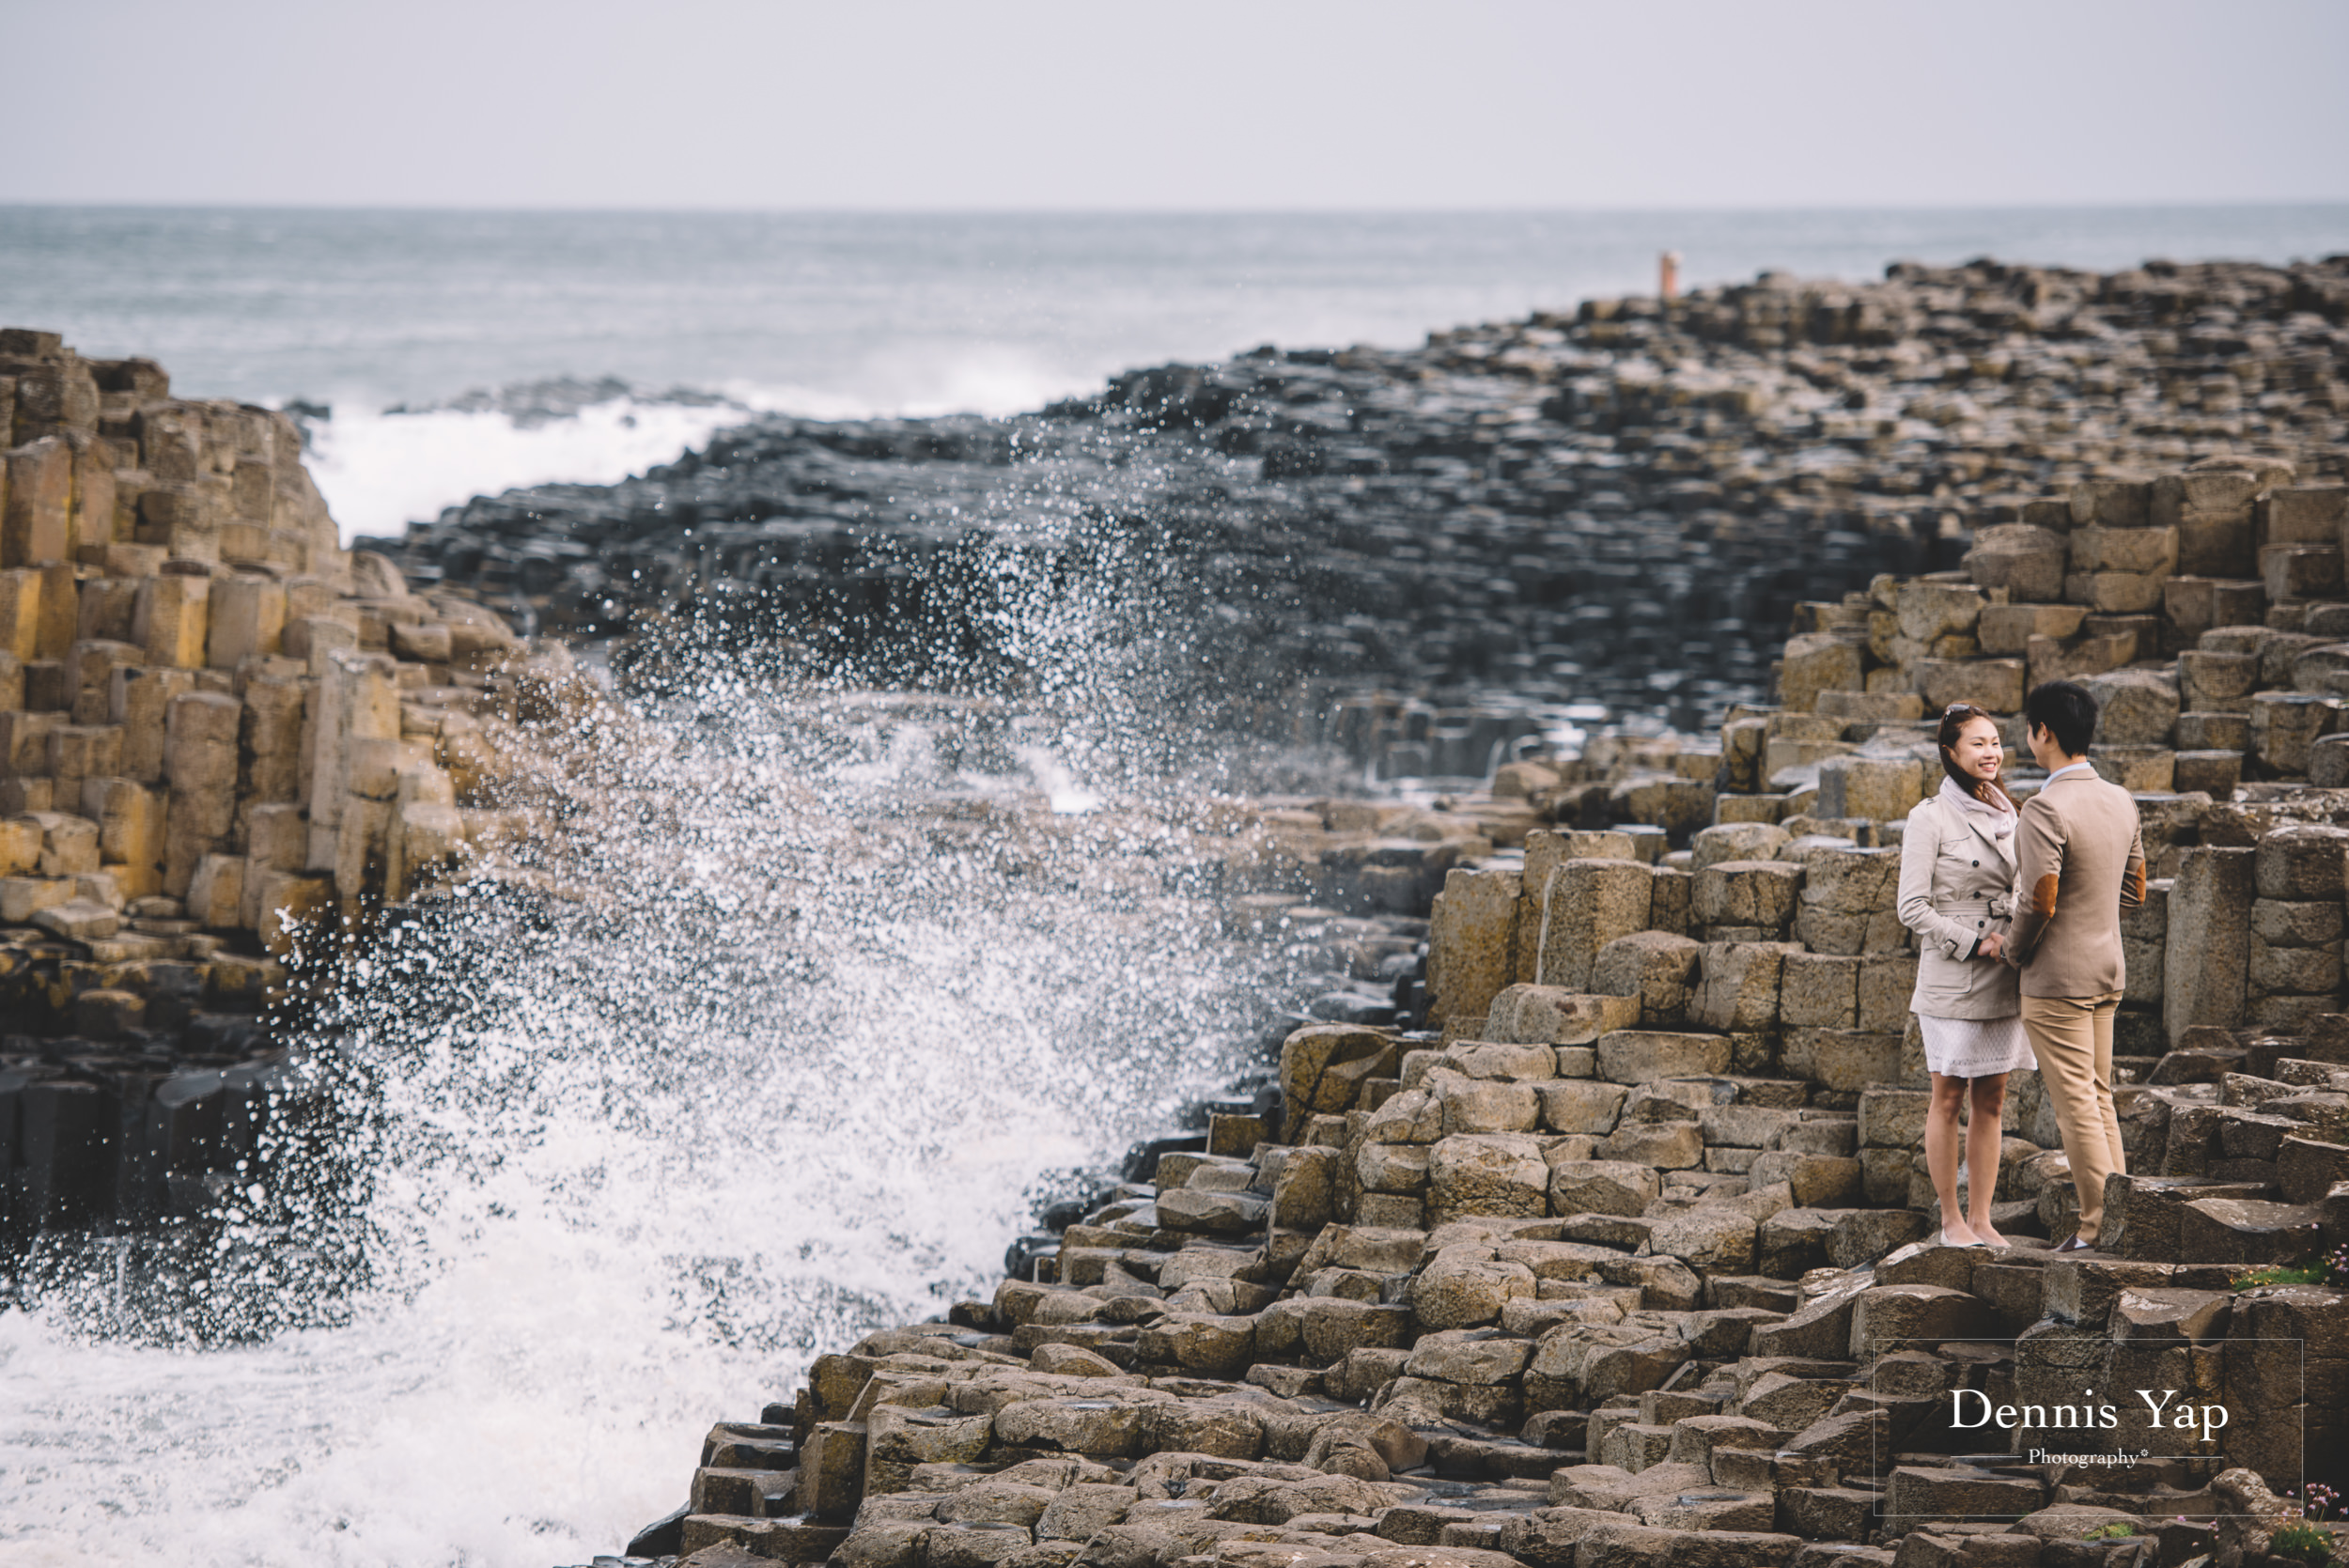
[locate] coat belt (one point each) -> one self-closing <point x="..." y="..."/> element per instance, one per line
<point x="2000" y="908"/>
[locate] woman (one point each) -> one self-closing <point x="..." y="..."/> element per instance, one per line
<point x="1957" y="882"/>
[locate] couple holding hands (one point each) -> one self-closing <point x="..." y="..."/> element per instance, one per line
<point x="2020" y="916"/>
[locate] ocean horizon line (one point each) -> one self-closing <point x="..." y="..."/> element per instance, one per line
<point x="2099" y="208"/>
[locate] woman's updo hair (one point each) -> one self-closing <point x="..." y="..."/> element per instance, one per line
<point x="1988" y="791"/>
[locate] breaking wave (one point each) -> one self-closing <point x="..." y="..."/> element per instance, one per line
<point x="381" y="469"/>
<point x="797" y="1007"/>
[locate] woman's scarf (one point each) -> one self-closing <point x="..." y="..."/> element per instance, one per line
<point x="1999" y="817"/>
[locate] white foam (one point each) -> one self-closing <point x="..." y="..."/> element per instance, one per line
<point x="922" y="381"/>
<point x="543" y="1392"/>
<point x="480" y="1424"/>
<point x="1067" y="796"/>
<point x="380" y="472"/>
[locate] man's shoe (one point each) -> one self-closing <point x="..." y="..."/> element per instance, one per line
<point x="2077" y="1245"/>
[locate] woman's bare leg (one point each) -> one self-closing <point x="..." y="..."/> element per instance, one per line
<point x="1982" y="1140"/>
<point x="1941" y="1140"/>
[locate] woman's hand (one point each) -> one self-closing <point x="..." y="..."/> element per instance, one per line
<point x="1992" y="945"/>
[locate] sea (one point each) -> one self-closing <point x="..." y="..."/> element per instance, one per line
<point x="621" y="1171"/>
<point x="466" y="352"/>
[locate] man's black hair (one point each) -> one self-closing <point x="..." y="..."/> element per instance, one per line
<point x="2064" y="709"/>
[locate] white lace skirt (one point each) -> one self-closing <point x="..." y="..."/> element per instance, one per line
<point x="1975" y="1047"/>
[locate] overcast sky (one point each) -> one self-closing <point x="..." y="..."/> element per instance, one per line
<point x="1196" y="104"/>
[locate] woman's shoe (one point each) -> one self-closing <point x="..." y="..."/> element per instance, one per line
<point x="1993" y="1239"/>
<point x="1970" y="1241"/>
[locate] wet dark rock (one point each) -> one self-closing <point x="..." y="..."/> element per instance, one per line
<point x="1398" y="550"/>
<point x="663" y="1537"/>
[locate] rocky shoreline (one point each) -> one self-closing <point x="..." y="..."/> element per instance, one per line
<point x="1627" y="1261"/>
<point x="1412" y="554"/>
<point x="1584" y="1231"/>
<point x="1632" y="1262"/>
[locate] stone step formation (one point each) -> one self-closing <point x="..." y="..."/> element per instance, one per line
<point x="218" y="730"/>
<point x="1628" y="1256"/>
<point x="1622" y="501"/>
<point x="1560" y="1294"/>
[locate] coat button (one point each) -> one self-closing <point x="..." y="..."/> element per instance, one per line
<point x="1978" y="862"/>
<point x="1980" y="922"/>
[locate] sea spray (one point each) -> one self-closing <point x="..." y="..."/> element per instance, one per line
<point x="780" y="1004"/>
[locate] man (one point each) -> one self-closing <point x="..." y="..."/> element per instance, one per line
<point x="2079" y="861"/>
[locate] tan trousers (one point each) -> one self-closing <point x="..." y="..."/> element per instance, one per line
<point x="2072" y="1036"/>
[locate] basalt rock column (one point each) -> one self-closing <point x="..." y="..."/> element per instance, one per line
<point x="173" y="598"/>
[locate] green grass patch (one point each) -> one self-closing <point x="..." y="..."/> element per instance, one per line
<point x="2282" y="1274"/>
<point x="2318" y="1268"/>
<point x="2303" y="1539"/>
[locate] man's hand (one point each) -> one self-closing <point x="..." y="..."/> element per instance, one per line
<point x="1992" y="946"/>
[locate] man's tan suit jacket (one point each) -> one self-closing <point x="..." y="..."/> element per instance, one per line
<point x="2079" y="860"/>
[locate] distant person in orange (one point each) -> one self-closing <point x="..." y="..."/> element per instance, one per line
<point x="2080" y="860"/>
<point x="1957" y="893"/>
